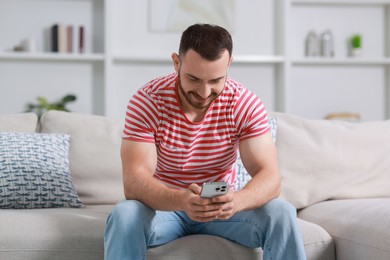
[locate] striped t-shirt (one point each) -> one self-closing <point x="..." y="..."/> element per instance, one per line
<point x="189" y="152"/>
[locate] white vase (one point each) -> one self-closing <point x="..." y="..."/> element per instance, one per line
<point x="356" y="52"/>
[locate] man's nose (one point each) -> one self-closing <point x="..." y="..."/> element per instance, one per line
<point x="204" y="91"/>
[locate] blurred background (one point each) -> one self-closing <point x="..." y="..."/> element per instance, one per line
<point x="313" y="58"/>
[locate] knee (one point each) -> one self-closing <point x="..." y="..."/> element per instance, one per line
<point x="129" y="211"/>
<point x="279" y="210"/>
<point x="281" y="206"/>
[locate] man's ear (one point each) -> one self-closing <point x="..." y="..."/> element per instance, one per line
<point x="230" y="61"/>
<point x="176" y="61"/>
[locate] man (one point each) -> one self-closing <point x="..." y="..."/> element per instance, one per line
<point x="184" y="129"/>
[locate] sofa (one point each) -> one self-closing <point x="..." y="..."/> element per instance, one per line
<point x="336" y="174"/>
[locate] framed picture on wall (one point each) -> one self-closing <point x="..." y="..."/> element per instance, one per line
<point x="176" y="15"/>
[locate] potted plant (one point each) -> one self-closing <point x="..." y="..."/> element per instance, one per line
<point x="355" y="45"/>
<point x="43" y="105"/>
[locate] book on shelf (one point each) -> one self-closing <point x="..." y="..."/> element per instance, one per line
<point x="54" y="38"/>
<point x="81" y="39"/>
<point x="67" y="38"/>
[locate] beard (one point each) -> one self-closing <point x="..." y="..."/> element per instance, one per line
<point x="192" y="97"/>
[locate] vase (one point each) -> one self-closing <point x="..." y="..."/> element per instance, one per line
<point x="356" y="52"/>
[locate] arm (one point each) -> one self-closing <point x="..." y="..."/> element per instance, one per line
<point x="139" y="161"/>
<point x="258" y="155"/>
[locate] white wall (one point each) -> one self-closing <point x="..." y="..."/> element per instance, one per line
<point x="123" y="54"/>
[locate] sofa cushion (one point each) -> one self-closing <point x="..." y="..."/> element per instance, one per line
<point x="322" y="159"/>
<point x="200" y="247"/>
<point x="317" y="242"/>
<point x="61" y="234"/>
<point x="46" y="234"/>
<point x="24" y="122"/>
<point x="360" y="227"/>
<point x="34" y="171"/>
<point x="94" y="154"/>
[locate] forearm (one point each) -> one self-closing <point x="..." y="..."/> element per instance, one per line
<point x="262" y="188"/>
<point x="139" y="183"/>
<point x="153" y="193"/>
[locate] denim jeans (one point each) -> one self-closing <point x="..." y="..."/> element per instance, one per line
<point x="132" y="227"/>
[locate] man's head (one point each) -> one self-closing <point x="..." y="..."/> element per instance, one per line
<point x="204" y="58"/>
<point x="209" y="41"/>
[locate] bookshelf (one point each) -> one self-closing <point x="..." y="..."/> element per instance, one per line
<point x="122" y="54"/>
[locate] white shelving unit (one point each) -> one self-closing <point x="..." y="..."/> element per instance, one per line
<point x="269" y="36"/>
<point x="51" y="57"/>
<point x="351" y="84"/>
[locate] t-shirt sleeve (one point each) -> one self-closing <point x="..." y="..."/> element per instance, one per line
<point x="250" y="116"/>
<point x="141" y="118"/>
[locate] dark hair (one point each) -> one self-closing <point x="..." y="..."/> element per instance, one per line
<point x="209" y="41"/>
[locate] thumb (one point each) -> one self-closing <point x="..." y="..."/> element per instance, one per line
<point x="195" y="188"/>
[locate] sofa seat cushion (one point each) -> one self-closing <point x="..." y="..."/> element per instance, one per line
<point x="318" y="246"/>
<point x="318" y="243"/>
<point x="68" y="233"/>
<point x="199" y="247"/>
<point x="359" y="227"/>
<point x="57" y="233"/>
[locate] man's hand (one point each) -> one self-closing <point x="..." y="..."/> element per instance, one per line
<point x="208" y="209"/>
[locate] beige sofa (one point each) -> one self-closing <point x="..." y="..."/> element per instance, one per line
<point x="336" y="174"/>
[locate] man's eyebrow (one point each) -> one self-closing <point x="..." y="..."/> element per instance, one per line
<point x="219" y="78"/>
<point x="194" y="77"/>
<point x="191" y="76"/>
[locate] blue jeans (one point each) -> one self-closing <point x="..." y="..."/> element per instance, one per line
<point x="132" y="227"/>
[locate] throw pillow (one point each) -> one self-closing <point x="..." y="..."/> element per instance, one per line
<point x="326" y="159"/>
<point x="94" y="152"/>
<point x="242" y="176"/>
<point x="34" y="171"/>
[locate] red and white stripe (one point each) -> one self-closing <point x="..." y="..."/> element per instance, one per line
<point x="194" y="152"/>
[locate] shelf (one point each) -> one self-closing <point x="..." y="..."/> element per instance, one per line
<point x="142" y="58"/>
<point x="241" y="59"/>
<point x="258" y="59"/>
<point x="51" y="57"/>
<point x="341" y="2"/>
<point x="342" y="61"/>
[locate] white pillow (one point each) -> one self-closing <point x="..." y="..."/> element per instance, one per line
<point x="321" y="160"/>
<point x="94" y="154"/>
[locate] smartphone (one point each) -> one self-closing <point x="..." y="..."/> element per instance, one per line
<point x="212" y="189"/>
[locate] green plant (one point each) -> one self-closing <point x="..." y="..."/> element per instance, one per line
<point x="43" y="105"/>
<point x="356" y="41"/>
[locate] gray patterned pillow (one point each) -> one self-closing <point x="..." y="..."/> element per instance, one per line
<point x="242" y="176"/>
<point x="34" y="171"/>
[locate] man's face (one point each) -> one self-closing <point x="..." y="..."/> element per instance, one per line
<point x="200" y="80"/>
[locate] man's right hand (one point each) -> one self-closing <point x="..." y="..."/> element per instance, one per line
<point x="201" y="209"/>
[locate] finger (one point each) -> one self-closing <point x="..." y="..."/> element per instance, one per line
<point x="223" y="198"/>
<point x="206" y="216"/>
<point x="225" y="215"/>
<point x="207" y="208"/>
<point x="195" y="188"/>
